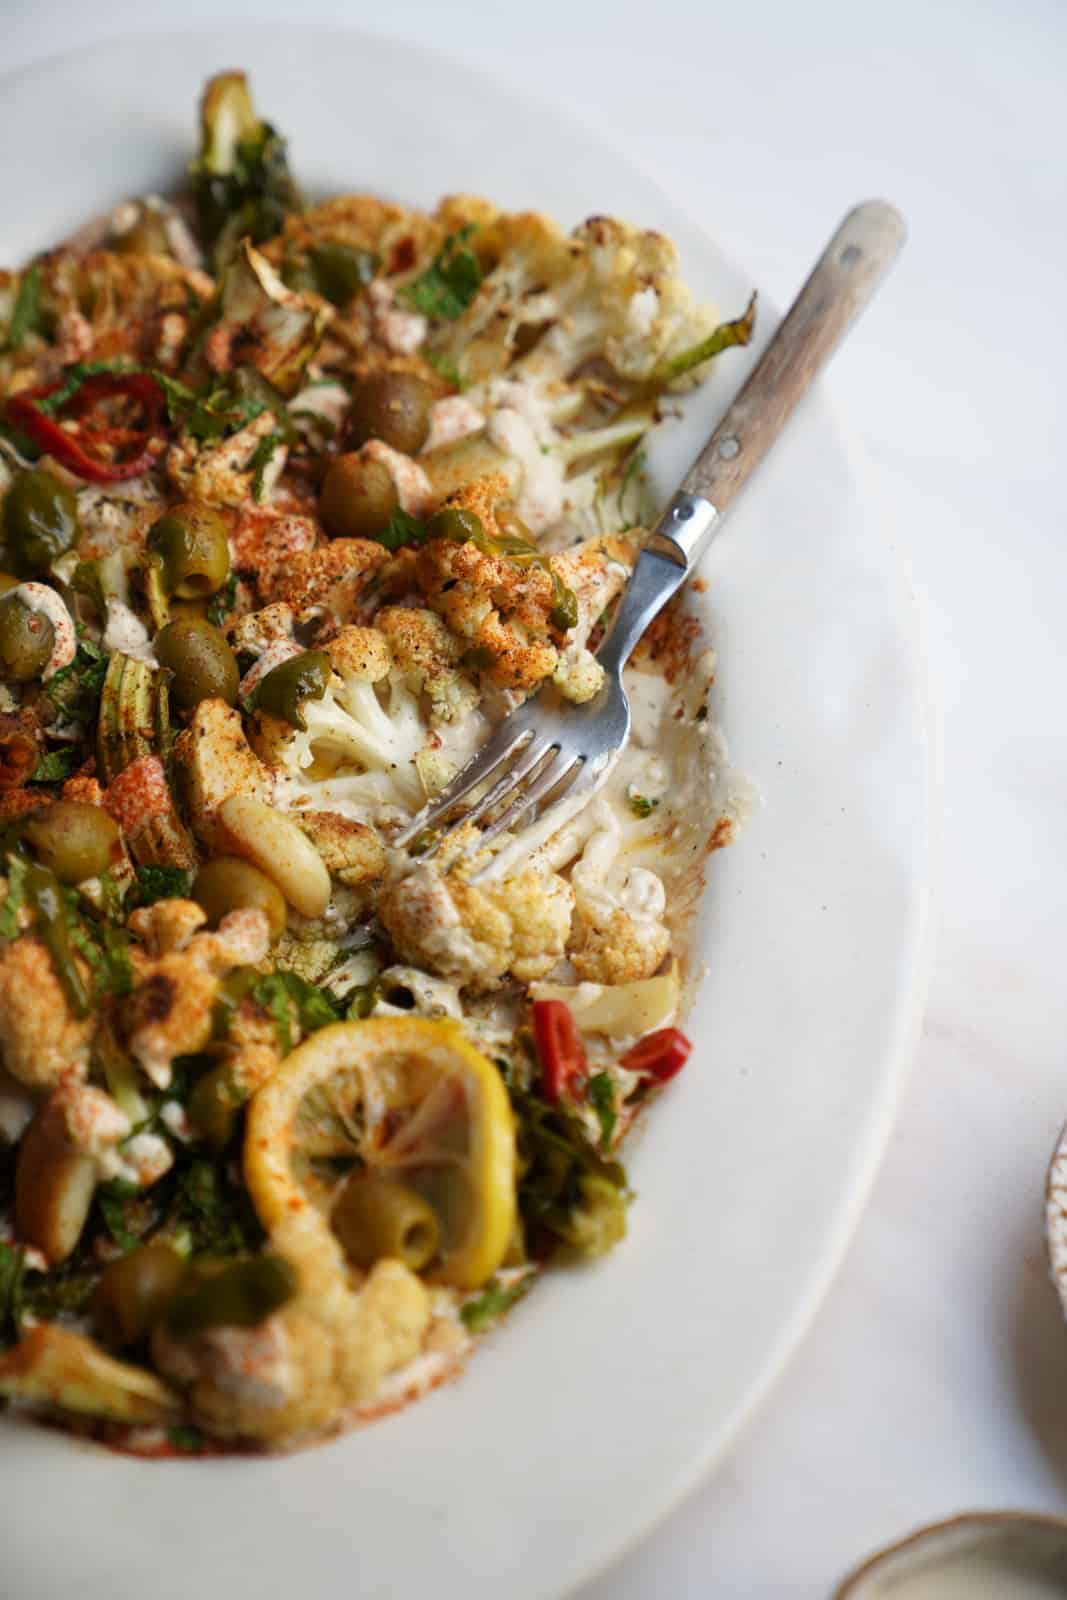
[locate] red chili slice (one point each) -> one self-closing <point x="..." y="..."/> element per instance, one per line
<point x="559" y="1050"/>
<point x="78" y="449"/>
<point x="659" y="1055"/>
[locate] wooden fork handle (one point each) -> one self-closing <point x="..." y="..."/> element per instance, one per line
<point x="841" y="283"/>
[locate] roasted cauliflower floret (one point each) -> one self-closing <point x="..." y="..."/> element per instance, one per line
<point x="477" y="935"/>
<point x="315" y="1360"/>
<point x="618" y="933"/>
<point x="331" y="578"/>
<point x="169" y="1012"/>
<point x="500" y="609"/>
<point x="428" y="657"/>
<point x="366" y="722"/>
<point x="41" y="1040"/>
<point x="352" y="851"/>
<point x="58" y="1368"/>
<point x="606" y="290"/>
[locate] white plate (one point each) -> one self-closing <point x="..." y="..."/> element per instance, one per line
<point x="611" y="1389"/>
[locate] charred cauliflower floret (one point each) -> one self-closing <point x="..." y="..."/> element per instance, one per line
<point x="478" y="934"/>
<point x="351" y="850"/>
<point x="40" y="1039"/>
<point x="618" y="933"/>
<point x="500" y="609"/>
<point x="331" y="578"/>
<point x="169" y="1012"/>
<point x="428" y="656"/>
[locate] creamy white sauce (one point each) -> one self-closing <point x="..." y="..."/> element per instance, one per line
<point x="413" y="488"/>
<point x="452" y="419"/>
<point x="127" y="633"/>
<point x="400" y="331"/>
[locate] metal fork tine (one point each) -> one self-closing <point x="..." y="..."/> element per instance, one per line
<point x="482" y="765"/>
<point x="559" y="768"/>
<point x="555" y="815"/>
<point x="520" y="769"/>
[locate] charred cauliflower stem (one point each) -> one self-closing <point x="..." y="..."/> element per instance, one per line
<point x="295" y="503"/>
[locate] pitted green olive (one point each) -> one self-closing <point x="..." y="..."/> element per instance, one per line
<point x="242" y="1295"/>
<point x="377" y="1216"/>
<point x="73" y="839"/>
<point x="357" y="497"/>
<point x="40" y="521"/>
<point x="26" y="640"/>
<point x="191" y="543"/>
<point x="393" y="407"/>
<point x="203" y="664"/>
<point x="134" y="1292"/>
<point x="284" y="689"/>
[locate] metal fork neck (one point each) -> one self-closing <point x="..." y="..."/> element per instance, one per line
<point x="671" y="555"/>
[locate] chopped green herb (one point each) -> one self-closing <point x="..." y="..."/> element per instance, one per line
<point x="642" y="806"/>
<point x="496" y="1298"/>
<point x="450" y="282"/>
<point x="161" y="883"/>
<point x="223" y="602"/>
<point x="261" y="460"/>
<point x="112" y="1198"/>
<point x="26" y="316"/>
<point x="446" y="368"/>
<point x="186" y="1439"/>
<point x="12" y="1267"/>
<point x="602" y="1100"/>
<point x="56" y="765"/>
<point x="402" y="529"/>
<point x="218" y="1215"/>
<point x="282" y="993"/>
<point x="75" y="690"/>
<point x="57" y="1296"/>
<point x="568" y="1193"/>
<point x="73" y="378"/>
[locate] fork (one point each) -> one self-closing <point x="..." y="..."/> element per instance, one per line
<point x="548" y="757"/>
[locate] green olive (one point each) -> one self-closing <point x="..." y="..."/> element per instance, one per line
<point x="26" y="640"/>
<point x="134" y="1292"/>
<point x="192" y="544"/>
<point x="73" y="839"/>
<point x="203" y="664"/>
<point x="230" y="884"/>
<point x="357" y="497"/>
<point x="147" y="237"/>
<point x="393" y="407"/>
<point x="453" y="522"/>
<point x="285" y="688"/>
<point x="376" y="1217"/>
<point x="338" y="272"/>
<point x="214" y="1104"/>
<point x="40" y="521"/>
<point x="241" y="1295"/>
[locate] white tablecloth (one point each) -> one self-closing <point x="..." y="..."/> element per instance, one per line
<point x="935" y="1377"/>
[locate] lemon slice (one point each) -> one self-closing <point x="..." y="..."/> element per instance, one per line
<point x="412" y="1098"/>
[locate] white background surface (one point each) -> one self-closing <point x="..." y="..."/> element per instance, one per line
<point x="935" y="1377"/>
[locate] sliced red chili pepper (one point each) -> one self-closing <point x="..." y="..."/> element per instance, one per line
<point x="660" y="1055"/>
<point x="80" y="449"/>
<point x="559" y="1050"/>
